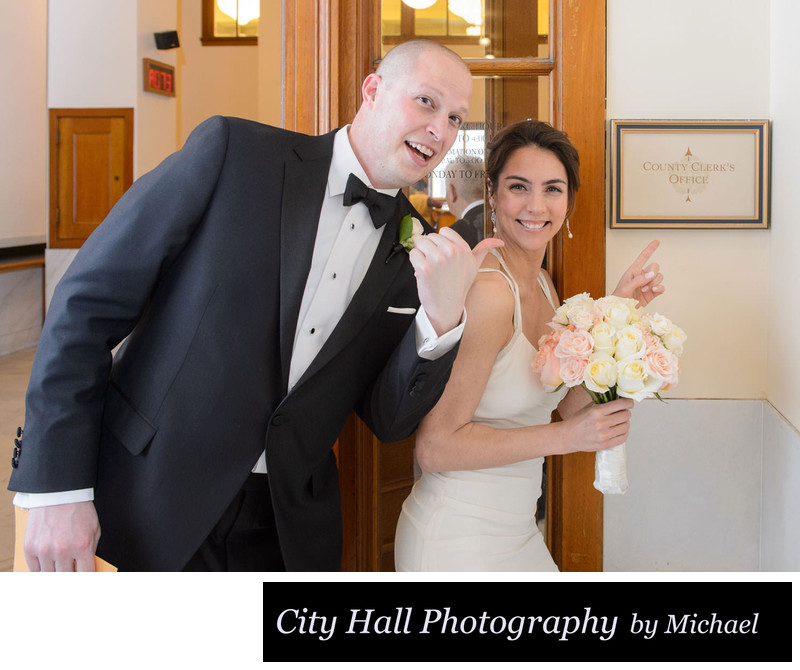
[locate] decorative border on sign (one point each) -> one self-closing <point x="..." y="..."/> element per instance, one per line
<point x="690" y="174"/>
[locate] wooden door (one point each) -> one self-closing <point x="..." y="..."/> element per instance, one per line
<point x="91" y="166"/>
<point x="329" y="47"/>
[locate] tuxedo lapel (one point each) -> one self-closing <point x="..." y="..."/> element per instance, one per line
<point x="377" y="281"/>
<point x="305" y="180"/>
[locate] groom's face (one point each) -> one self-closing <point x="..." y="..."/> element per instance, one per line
<point x="415" y="117"/>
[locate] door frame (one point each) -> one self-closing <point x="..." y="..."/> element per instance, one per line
<point x="329" y="47"/>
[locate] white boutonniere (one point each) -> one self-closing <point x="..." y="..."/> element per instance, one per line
<point x="410" y="229"/>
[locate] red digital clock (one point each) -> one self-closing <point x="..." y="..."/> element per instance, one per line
<point x="159" y="77"/>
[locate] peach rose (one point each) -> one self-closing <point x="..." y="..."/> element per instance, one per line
<point x="574" y="344"/>
<point x="549" y="368"/>
<point x="651" y="342"/>
<point x="572" y="370"/>
<point x="546" y="363"/>
<point x="662" y="364"/>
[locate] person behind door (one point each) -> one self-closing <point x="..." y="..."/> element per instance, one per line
<point x="464" y="181"/>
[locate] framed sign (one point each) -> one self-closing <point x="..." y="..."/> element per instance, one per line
<point x="159" y="77"/>
<point x="690" y="174"/>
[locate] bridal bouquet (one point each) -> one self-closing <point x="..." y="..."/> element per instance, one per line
<point x="613" y="349"/>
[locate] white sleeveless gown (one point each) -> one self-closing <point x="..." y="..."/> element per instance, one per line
<point x="485" y="520"/>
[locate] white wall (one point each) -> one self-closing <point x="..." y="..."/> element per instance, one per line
<point x="109" y="39"/>
<point x="23" y="166"/>
<point x="713" y="481"/>
<point x="23" y="123"/>
<point x="780" y="532"/>
<point x="214" y="79"/>
<point x="156" y="121"/>
<point x="695" y="473"/>
<point x="270" y="70"/>
<point x="96" y="49"/>
<point x="92" y="53"/>
<point x="698" y="60"/>
<point x="783" y="300"/>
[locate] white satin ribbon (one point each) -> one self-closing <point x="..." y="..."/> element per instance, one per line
<point x="610" y="470"/>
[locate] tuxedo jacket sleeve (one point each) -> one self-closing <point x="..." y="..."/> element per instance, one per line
<point x="201" y="267"/>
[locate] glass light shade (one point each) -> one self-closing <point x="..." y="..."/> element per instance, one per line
<point x="469" y="10"/>
<point x="420" y="4"/>
<point x="243" y="11"/>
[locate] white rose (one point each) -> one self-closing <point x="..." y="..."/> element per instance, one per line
<point x="416" y="229"/>
<point x="560" y="318"/>
<point x="605" y="338"/>
<point x="601" y="373"/>
<point x="630" y="343"/>
<point x="580" y="300"/>
<point x="674" y="339"/>
<point x="660" y="325"/>
<point x="619" y="312"/>
<point x="580" y="317"/>
<point x="633" y="380"/>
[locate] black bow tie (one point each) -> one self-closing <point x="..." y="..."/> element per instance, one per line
<point x="381" y="206"/>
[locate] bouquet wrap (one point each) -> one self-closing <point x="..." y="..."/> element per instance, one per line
<point x="610" y="470"/>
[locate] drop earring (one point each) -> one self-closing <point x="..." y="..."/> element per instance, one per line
<point x="494" y="222"/>
<point x="569" y="232"/>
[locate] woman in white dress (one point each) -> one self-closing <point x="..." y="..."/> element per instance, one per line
<point x="482" y="447"/>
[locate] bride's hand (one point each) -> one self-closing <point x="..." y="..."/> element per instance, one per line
<point x="640" y="282"/>
<point x="597" y="427"/>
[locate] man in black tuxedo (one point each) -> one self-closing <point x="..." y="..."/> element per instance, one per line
<point x="262" y="296"/>
<point x="464" y="183"/>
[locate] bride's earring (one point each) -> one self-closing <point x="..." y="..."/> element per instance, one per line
<point x="569" y="232"/>
<point x="494" y="222"/>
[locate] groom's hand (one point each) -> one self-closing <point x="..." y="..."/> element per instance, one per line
<point x="445" y="268"/>
<point x="62" y="538"/>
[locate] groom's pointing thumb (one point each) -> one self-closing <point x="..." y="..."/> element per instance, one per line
<point x="483" y="247"/>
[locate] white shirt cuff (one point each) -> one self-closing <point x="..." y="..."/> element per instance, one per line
<point x="28" y="500"/>
<point x="431" y="346"/>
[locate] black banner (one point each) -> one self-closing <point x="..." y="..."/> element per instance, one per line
<point x="527" y="621"/>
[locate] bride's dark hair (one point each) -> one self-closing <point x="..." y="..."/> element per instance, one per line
<point x="540" y="134"/>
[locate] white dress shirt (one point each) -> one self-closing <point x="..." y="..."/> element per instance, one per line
<point x="345" y="244"/>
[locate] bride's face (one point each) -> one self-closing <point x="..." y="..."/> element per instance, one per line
<point x="530" y="198"/>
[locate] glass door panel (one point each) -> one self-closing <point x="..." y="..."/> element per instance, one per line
<point x="494" y="28"/>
